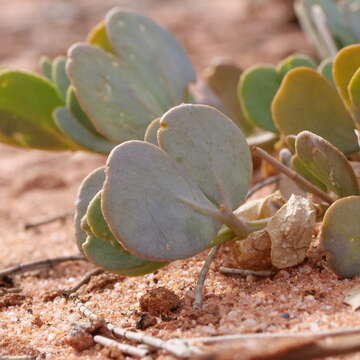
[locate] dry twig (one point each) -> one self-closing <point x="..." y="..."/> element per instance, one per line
<point x="13" y="290"/>
<point x="176" y="347"/>
<point x="202" y="277"/>
<point x="293" y="175"/>
<point x="48" y="220"/>
<point x="304" y="348"/>
<point x="273" y="336"/>
<point x="84" y="280"/>
<point x="125" y="348"/>
<point x="244" y="272"/>
<point x="39" y="264"/>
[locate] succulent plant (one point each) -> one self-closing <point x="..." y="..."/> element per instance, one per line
<point x="307" y="101"/>
<point x="329" y="24"/>
<point x="106" y="91"/>
<point x="297" y="95"/>
<point x="176" y="196"/>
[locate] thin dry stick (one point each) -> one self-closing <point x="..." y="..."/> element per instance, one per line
<point x="273" y="336"/>
<point x="288" y="349"/>
<point x="39" y="264"/>
<point x="243" y="272"/>
<point x="292" y="175"/>
<point x="84" y="280"/>
<point x="202" y="277"/>
<point x="127" y="349"/>
<point x="176" y="347"/>
<point x="48" y="220"/>
<point x="4" y="291"/>
<point x="261" y="184"/>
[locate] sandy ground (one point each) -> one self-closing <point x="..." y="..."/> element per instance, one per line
<point x="36" y="184"/>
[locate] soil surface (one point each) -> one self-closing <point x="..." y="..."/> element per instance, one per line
<point x="35" y="185"/>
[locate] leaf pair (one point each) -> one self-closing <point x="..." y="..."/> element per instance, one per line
<point x="106" y="92"/>
<point x="123" y="90"/>
<point x="169" y="202"/>
<point x="258" y="86"/>
<point x="307" y="101"/>
<point x="95" y="239"/>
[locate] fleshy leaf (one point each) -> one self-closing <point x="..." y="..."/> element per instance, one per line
<point x="346" y="63"/>
<point x="73" y="105"/>
<point x="116" y="101"/>
<point x="96" y="222"/>
<point x="144" y="203"/>
<point x="122" y="93"/>
<point x="98" y="37"/>
<point x="327" y="164"/>
<point x="354" y="93"/>
<point x="290" y="231"/>
<point x="46" y="67"/>
<point x="26" y="121"/>
<point x="307" y="101"/>
<point x="151" y="132"/>
<point x="223" y="78"/>
<point x="340" y="236"/>
<point x="112" y="258"/>
<point x="102" y="248"/>
<point x="153" y="54"/>
<point x="90" y="186"/>
<point x="256" y="90"/>
<point x="79" y="133"/>
<point x="294" y="61"/>
<point x="326" y="69"/>
<point x="59" y="75"/>
<point x="211" y="149"/>
<point x="258" y="86"/>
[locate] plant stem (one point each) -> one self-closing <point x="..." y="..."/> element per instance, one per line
<point x="237" y="225"/>
<point x="202" y="277"/>
<point x="39" y="264"/>
<point x="293" y="175"/>
<point x="224" y="235"/>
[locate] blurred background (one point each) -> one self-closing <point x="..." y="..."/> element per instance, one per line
<point x="247" y="31"/>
